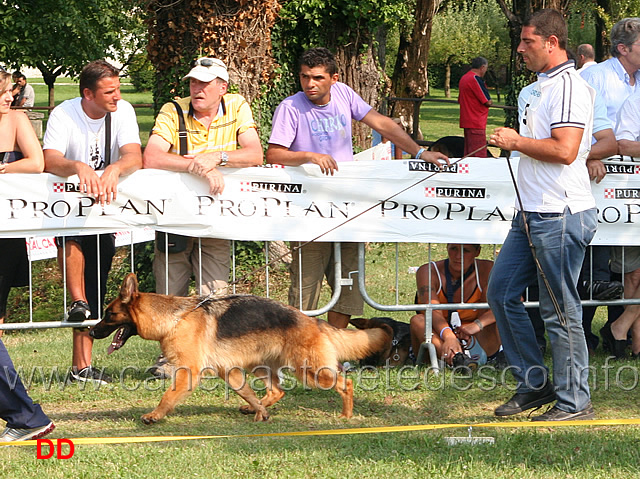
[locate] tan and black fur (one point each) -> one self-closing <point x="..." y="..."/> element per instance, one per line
<point x="236" y="334"/>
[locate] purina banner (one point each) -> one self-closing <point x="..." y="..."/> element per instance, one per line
<point x="471" y="201"/>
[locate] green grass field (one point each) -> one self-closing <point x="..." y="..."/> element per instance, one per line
<point x="383" y="398"/>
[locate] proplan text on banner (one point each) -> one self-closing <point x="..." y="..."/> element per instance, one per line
<point x="472" y="200"/>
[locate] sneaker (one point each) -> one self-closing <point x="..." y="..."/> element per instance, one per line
<point x="162" y="369"/>
<point x="555" y="414"/>
<point x="603" y="290"/>
<point x="78" y="312"/>
<point x="12" y="434"/>
<point x="90" y="375"/>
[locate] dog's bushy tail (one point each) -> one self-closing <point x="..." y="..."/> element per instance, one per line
<point x="360" y="343"/>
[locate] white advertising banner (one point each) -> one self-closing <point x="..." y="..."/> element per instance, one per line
<point x="393" y="201"/>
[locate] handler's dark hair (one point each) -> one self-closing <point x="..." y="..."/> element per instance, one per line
<point x="547" y="22"/>
<point x="95" y="71"/>
<point x="625" y="32"/>
<point x="319" y="57"/>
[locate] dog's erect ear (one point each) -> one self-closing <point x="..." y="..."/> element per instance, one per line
<point x="360" y="323"/>
<point x="129" y="288"/>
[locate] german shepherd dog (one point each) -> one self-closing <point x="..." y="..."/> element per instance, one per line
<point x="234" y="334"/>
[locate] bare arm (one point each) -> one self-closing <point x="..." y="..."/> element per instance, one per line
<point x="130" y="160"/>
<point x="27" y="141"/>
<point x="604" y="147"/>
<point x="394" y="132"/>
<point x="281" y="155"/>
<point x="102" y="188"/>
<point x="485" y="316"/>
<point x="629" y="148"/>
<point x="250" y="154"/>
<point x="439" y="323"/>
<point x="156" y="155"/>
<point x="561" y="147"/>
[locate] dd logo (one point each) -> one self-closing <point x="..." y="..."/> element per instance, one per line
<point x="57" y="449"/>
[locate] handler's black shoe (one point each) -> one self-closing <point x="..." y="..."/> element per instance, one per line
<point x="523" y="401"/>
<point x="78" y="312"/>
<point x="555" y="414"/>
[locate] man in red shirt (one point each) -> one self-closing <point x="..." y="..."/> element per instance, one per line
<point x="474" y="102"/>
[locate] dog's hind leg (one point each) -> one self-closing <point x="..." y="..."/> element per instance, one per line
<point x="274" y="392"/>
<point x="326" y="378"/>
<point x="237" y="380"/>
<point x="186" y="379"/>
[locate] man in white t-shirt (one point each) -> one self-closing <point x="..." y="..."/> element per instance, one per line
<point x="75" y="144"/>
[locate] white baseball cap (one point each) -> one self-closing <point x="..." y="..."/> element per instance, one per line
<point x="207" y="69"/>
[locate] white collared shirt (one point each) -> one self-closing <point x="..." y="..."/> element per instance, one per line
<point x="560" y="98"/>
<point x="611" y="81"/>
<point x="628" y="127"/>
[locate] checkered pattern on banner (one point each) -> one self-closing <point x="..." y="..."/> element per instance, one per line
<point x="430" y="192"/>
<point x="463" y="168"/>
<point x="609" y="194"/>
<point x="245" y="186"/>
<point x="637" y="170"/>
<point x="58" y="187"/>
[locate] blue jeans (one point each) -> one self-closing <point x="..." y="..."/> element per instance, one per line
<point x="16" y="407"/>
<point x="560" y="240"/>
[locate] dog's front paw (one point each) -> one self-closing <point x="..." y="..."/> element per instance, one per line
<point x="246" y="409"/>
<point x="149" y="418"/>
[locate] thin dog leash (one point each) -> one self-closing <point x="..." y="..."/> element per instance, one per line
<point x="554" y="299"/>
<point x="296" y="248"/>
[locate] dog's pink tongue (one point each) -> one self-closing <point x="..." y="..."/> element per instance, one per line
<point x="112" y="347"/>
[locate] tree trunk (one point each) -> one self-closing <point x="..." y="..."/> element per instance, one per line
<point x="49" y="77"/>
<point x="447" y="80"/>
<point x="237" y="32"/>
<point x="602" y="39"/>
<point x="360" y="71"/>
<point x="410" y="78"/>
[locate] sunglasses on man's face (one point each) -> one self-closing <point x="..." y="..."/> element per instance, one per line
<point x="207" y="62"/>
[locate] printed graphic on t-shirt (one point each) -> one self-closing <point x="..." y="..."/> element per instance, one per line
<point x="95" y="158"/>
<point x="324" y="128"/>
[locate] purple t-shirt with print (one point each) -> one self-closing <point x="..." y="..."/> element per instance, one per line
<point x="299" y="125"/>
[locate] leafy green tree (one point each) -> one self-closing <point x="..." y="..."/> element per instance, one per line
<point x="410" y="77"/>
<point x="518" y="76"/>
<point x="60" y="36"/>
<point x="607" y="13"/>
<point x="459" y="34"/>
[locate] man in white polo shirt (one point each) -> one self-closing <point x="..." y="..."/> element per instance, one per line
<point x="557" y="215"/>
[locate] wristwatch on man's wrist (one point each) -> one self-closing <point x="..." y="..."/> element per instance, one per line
<point x="224" y="158"/>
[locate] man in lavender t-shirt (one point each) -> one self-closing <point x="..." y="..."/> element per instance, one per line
<point x="314" y="126"/>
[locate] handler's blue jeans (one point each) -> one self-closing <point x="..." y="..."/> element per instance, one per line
<point x="560" y="240"/>
<point x="16" y="407"/>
